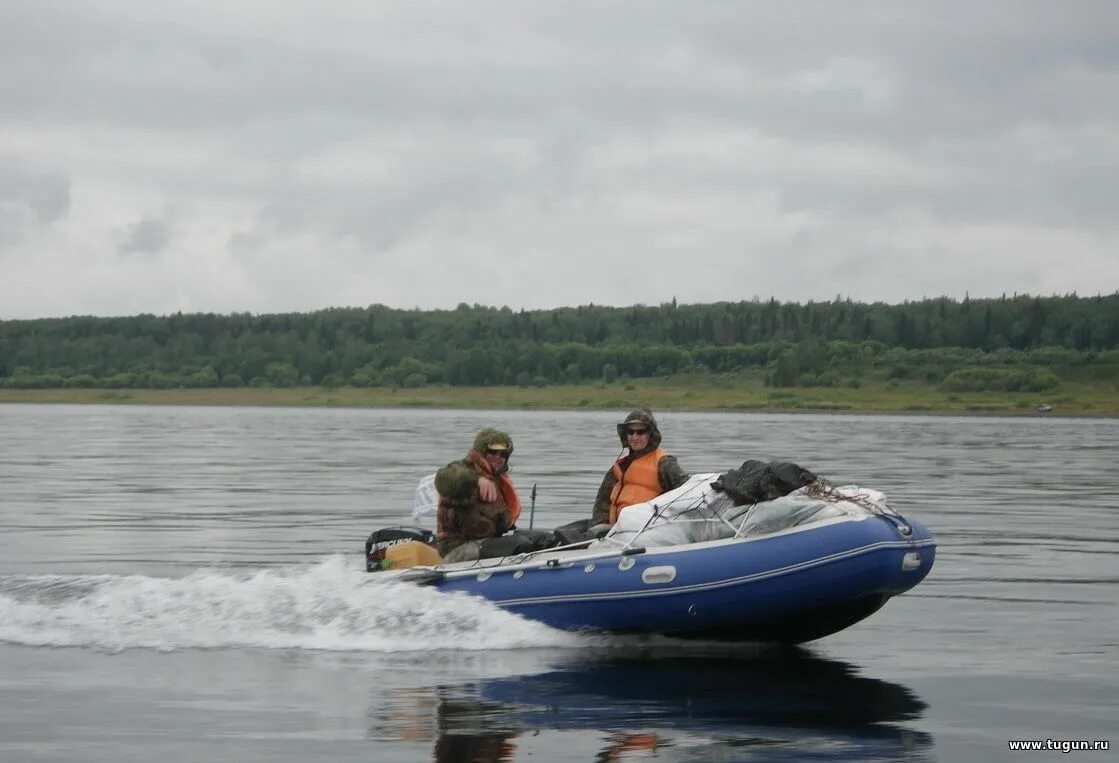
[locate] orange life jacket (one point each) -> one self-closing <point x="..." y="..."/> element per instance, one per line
<point x="637" y="484"/>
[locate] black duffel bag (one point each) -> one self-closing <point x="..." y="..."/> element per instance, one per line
<point x="516" y="542"/>
<point x="757" y="481"/>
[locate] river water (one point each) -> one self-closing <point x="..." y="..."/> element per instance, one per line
<point x="184" y="584"/>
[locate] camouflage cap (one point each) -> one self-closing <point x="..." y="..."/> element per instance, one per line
<point x="489" y="438"/>
<point x="641" y="416"/>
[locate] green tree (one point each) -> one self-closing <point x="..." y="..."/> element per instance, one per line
<point x="786" y="371"/>
<point x="281" y="374"/>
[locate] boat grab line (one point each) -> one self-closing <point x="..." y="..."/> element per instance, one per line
<point x="716" y="584"/>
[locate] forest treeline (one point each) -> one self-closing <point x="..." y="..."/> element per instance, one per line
<point x="1021" y="342"/>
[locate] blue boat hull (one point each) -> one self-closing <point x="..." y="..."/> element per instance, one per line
<point x="791" y="587"/>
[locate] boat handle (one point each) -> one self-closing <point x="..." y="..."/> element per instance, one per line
<point x="899" y="523"/>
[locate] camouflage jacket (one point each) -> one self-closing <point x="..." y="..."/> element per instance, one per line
<point x="462" y="514"/>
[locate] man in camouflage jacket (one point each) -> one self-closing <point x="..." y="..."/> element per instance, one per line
<point x="477" y="499"/>
<point x="641" y="437"/>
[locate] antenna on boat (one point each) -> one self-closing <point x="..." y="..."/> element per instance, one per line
<point x="532" y="507"/>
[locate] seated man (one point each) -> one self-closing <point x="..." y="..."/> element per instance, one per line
<point x="477" y="499"/>
<point x="641" y="474"/>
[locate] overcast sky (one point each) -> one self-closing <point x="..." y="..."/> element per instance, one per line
<point x="273" y="155"/>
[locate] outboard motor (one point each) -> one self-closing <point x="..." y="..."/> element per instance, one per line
<point x="381" y="540"/>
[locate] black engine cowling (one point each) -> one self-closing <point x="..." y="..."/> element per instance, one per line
<point x="382" y="539"/>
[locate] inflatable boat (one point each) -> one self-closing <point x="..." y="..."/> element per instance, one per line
<point x="693" y="563"/>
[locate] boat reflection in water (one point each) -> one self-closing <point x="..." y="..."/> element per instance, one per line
<point x="769" y="704"/>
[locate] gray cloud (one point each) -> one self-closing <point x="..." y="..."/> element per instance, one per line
<point x="148" y="235"/>
<point x="29" y="199"/>
<point x="540" y="143"/>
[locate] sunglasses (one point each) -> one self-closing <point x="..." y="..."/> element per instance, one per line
<point x="637" y="431"/>
<point x="503" y="453"/>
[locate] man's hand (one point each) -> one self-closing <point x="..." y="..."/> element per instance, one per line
<point x="487" y="489"/>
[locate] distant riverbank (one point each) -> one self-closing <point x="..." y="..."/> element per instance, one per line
<point x="674" y="394"/>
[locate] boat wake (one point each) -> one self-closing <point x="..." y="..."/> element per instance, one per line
<point x="326" y="606"/>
